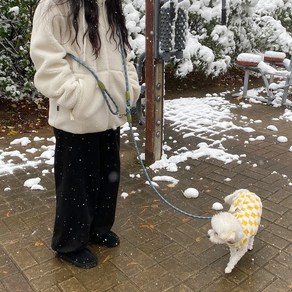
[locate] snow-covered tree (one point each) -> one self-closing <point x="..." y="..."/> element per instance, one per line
<point x="211" y="47"/>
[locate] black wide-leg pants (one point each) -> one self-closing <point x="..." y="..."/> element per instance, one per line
<point x="87" y="175"/>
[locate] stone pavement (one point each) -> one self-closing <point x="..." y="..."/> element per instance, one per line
<point x="161" y="250"/>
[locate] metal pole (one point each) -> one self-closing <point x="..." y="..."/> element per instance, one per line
<point x="149" y="82"/>
<point x="154" y="79"/>
<point x="223" y="13"/>
<point x="159" y="95"/>
<point x="159" y="87"/>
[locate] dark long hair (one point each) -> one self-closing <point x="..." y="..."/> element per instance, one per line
<point x="115" y="17"/>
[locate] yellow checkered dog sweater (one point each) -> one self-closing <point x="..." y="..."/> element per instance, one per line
<point x="247" y="208"/>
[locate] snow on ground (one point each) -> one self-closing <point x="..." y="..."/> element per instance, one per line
<point x="217" y="206"/>
<point x="191" y="193"/>
<point x="210" y="118"/>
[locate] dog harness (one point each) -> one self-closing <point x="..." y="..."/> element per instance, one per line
<point x="247" y="208"/>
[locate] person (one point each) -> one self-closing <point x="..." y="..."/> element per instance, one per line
<point x="67" y="34"/>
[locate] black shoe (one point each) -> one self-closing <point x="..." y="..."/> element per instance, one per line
<point x="82" y="258"/>
<point x="108" y="239"/>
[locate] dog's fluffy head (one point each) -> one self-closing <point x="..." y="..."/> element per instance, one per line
<point x="226" y="229"/>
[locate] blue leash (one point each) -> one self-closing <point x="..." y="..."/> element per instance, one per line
<point x="104" y="91"/>
<point x="107" y="96"/>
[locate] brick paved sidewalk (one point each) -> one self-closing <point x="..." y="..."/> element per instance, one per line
<point x="161" y="250"/>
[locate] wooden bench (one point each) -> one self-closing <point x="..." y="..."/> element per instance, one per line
<point x="270" y="66"/>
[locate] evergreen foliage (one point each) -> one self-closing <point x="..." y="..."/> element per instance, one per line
<point x="252" y="26"/>
<point x="16" y="69"/>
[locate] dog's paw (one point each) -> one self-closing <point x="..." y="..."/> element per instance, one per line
<point x="228" y="270"/>
<point x="250" y="248"/>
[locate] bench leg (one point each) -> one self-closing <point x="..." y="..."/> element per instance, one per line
<point x="245" y="83"/>
<point x="285" y="93"/>
<point x="270" y="94"/>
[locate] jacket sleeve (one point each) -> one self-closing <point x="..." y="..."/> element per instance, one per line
<point x="134" y="83"/>
<point x="54" y="77"/>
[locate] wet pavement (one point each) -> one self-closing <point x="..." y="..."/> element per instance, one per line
<point x="161" y="249"/>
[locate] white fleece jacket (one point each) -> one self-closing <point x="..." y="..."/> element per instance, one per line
<point x="76" y="102"/>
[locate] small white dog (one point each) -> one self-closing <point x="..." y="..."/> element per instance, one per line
<point x="238" y="226"/>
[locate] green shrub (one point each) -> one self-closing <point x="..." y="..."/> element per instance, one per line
<point x="211" y="48"/>
<point x="16" y="69"/>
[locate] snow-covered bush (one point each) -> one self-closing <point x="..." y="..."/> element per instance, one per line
<point x="252" y="26"/>
<point x="209" y="45"/>
<point x="273" y="20"/>
<point x="16" y="69"/>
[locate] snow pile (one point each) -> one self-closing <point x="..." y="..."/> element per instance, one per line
<point x="22" y="141"/>
<point x="170" y="163"/>
<point x="14" y="10"/>
<point x="11" y="160"/>
<point x="124" y="195"/>
<point x="217" y="206"/>
<point x="246" y="57"/>
<point x="272" y="128"/>
<point x="191" y="193"/>
<point x="287" y="115"/>
<point x="33" y="184"/>
<point x="205" y="117"/>
<point x="275" y="55"/>
<point x="282" y="139"/>
<point x="165" y="178"/>
<point x="267" y="69"/>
